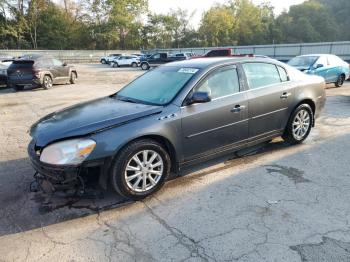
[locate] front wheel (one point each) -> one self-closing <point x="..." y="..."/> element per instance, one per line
<point x="299" y="125"/>
<point x="340" y="81"/>
<point x="73" y="78"/>
<point x="134" y="64"/>
<point x="140" y="169"/>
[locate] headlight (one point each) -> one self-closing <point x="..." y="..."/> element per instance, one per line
<point x="69" y="152"/>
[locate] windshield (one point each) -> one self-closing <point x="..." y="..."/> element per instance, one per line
<point x="158" y="86"/>
<point x="305" y="61"/>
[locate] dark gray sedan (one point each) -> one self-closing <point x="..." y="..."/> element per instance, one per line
<point x="176" y="115"/>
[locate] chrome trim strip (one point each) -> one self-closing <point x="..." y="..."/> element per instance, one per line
<point x="217" y="128"/>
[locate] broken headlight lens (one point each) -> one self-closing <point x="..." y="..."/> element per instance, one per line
<point x="69" y="152"/>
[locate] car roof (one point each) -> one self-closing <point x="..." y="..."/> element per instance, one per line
<point x="314" y="55"/>
<point x="206" y="62"/>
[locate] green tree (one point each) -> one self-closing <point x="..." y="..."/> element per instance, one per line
<point x="218" y="27"/>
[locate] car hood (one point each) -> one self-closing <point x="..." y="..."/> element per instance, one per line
<point x="88" y="117"/>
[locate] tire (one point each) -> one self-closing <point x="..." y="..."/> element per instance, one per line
<point x="302" y="116"/>
<point x="144" y="66"/>
<point x="125" y="158"/>
<point x="133" y="64"/>
<point x="115" y="65"/>
<point x="47" y="82"/>
<point x="73" y="78"/>
<point x="103" y="61"/>
<point x="17" y="88"/>
<point x="340" y="81"/>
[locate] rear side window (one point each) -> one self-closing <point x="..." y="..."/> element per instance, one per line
<point x="261" y="74"/>
<point x="222" y="82"/>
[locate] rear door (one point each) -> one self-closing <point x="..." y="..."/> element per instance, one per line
<point x="219" y="124"/>
<point x="270" y="94"/>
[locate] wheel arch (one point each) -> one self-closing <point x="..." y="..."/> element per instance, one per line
<point x="309" y="102"/>
<point x="165" y="142"/>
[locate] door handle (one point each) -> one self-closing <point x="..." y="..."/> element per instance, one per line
<point x="237" y="109"/>
<point x="285" y="95"/>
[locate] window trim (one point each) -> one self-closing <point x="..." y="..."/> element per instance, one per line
<point x="200" y="81"/>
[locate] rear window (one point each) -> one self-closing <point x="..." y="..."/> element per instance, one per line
<point x="21" y="64"/>
<point x="214" y="53"/>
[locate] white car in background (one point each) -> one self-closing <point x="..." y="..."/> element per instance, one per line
<point x="108" y="59"/>
<point x="126" y="60"/>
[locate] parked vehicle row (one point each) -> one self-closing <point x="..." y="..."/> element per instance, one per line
<point x="176" y="115"/>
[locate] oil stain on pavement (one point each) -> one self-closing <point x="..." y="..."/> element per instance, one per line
<point x="292" y="173"/>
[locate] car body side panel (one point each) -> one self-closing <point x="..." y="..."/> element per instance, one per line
<point x="210" y="126"/>
<point x="167" y="125"/>
<point x="268" y="110"/>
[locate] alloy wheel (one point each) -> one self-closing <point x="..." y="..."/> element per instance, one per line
<point x="47" y="82"/>
<point x="301" y="124"/>
<point x="144" y="170"/>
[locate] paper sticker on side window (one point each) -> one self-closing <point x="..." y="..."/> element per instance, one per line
<point x="188" y="70"/>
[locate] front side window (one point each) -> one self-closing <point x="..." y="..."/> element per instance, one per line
<point x="322" y="61"/>
<point x="56" y="62"/>
<point x="222" y="82"/>
<point x="159" y="86"/>
<point x="261" y="74"/>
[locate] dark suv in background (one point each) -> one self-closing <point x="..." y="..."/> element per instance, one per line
<point x="39" y="71"/>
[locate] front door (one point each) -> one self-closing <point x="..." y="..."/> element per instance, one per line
<point x="270" y="93"/>
<point x="219" y="124"/>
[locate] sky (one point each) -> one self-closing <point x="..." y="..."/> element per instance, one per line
<point x="163" y="6"/>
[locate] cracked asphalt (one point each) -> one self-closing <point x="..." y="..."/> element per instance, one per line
<point x="270" y="203"/>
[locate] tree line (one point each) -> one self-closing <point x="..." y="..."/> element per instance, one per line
<point x="128" y="24"/>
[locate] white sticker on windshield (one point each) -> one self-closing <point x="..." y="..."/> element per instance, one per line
<point x="188" y="70"/>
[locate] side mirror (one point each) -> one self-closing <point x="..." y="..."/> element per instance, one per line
<point x="319" y="66"/>
<point x="64" y="64"/>
<point x="199" y="98"/>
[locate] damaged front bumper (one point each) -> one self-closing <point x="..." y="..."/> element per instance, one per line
<point x="50" y="178"/>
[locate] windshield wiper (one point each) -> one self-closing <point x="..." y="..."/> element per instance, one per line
<point x="133" y="100"/>
<point x="127" y="99"/>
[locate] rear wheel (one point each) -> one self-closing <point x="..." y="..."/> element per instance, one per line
<point x="144" y="66"/>
<point x="73" y="77"/>
<point x="47" y="82"/>
<point x="340" y="81"/>
<point x="299" y="125"/>
<point x="17" y="88"/>
<point x="140" y="169"/>
<point x="103" y="61"/>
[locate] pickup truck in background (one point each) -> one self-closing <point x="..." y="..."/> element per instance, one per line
<point x="158" y="59"/>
